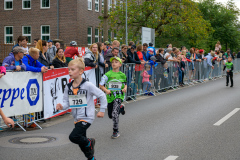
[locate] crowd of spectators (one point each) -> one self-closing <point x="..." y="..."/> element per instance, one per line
<point x="46" y="55"/>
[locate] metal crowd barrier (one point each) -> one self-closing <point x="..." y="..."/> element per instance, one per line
<point x="163" y="77"/>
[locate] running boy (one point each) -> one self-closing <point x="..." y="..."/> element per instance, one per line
<point x="78" y="95"/>
<point x="229" y="66"/>
<point x="115" y="87"/>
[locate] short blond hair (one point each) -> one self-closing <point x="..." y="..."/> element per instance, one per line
<point x="33" y="51"/>
<point x="78" y="62"/>
<point x="116" y="42"/>
<point x="183" y="52"/>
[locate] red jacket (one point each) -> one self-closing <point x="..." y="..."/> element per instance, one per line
<point x="71" y="52"/>
<point x="139" y="67"/>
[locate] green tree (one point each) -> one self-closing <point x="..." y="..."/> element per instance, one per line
<point x="224" y="20"/>
<point x="179" y="20"/>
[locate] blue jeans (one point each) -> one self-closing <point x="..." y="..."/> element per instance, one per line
<point x="146" y="86"/>
<point x="209" y="71"/>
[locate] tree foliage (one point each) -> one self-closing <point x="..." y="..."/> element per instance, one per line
<point x="180" y="22"/>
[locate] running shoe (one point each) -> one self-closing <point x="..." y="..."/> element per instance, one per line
<point x="115" y="135"/>
<point x="151" y="94"/>
<point x="90" y="149"/>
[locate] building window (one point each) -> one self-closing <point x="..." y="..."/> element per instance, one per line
<point x="89" y="4"/>
<point x="97" y="5"/>
<point x="45" y="4"/>
<point x="110" y="36"/>
<point x="45" y="32"/>
<point x="109" y="4"/>
<point x="96" y="35"/>
<point x="8" y="4"/>
<point x="26" y="31"/>
<point x="26" y="4"/>
<point x="89" y="35"/>
<point x="8" y="34"/>
<point x="102" y="4"/>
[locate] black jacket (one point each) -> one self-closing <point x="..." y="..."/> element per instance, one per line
<point x="133" y="58"/>
<point x="59" y="64"/>
<point x="44" y="61"/>
<point x="160" y="59"/>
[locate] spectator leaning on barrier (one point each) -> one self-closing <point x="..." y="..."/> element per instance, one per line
<point x="133" y="57"/>
<point x="51" y="51"/>
<point x="31" y="62"/>
<point x="2" y="71"/>
<point x="71" y="51"/>
<point x="114" y="53"/>
<point x="101" y="61"/>
<point x="124" y="54"/>
<point x="139" y="67"/>
<point x="44" y="57"/>
<point x="20" y="40"/>
<point x="59" y="60"/>
<point x="159" y="70"/>
<point x="168" y="55"/>
<point x="144" y="52"/>
<point x="14" y="60"/>
<point x="91" y="56"/>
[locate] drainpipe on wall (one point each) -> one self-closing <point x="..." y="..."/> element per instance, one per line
<point x="57" y="19"/>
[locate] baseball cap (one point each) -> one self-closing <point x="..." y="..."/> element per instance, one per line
<point x="107" y="42"/>
<point x="73" y="43"/>
<point x="49" y="40"/>
<point x="134" y="46"/>
<point x="150" y="44"/>
<point x="201" y="50"/>
<point x="153" y="58"/>
<point x="117" y="58"/>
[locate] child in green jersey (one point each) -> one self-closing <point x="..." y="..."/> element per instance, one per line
<point x="229" y="67"/>
<point x="115" y="88"/>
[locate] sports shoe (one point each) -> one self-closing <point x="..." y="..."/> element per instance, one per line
<point x="115" y="135"/>
<point x="1" y="129"/>
<point x="122" y="109"/>
<point x="151" y="94"/>
<point x="231" y="86"/>
<point x="93" y="158"/>
<point x="226" y="84"/>
<point x="90" y="149"/>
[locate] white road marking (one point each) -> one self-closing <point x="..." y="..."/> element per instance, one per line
<point x="226" y="117"/>
<point x="171" y="158"/>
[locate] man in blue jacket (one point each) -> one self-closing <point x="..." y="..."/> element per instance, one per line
<point x="14" y="60"/>
<point x="32" y="63"/>
<point x="150" y="51"/>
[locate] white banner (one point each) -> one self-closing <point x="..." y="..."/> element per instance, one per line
<point x="21" y="93"/>
<point x="54" y="82"/>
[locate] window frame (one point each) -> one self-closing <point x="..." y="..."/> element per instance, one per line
<point x="23" y="4"/>
<point x="27" y="35"/>
<point x="89" y="35"/>
<point x="41" y="7"/>
<point x="97" y="2"/>
<point x="5" y="35"/>
<point x="5" y="1"/>
<point x="90" y="1"/>
<point x="96" y="36"/>
<point x="45" y="34"/>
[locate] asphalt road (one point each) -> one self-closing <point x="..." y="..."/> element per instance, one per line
<point x="177" y="125"/>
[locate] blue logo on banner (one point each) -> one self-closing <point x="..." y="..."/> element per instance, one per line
<point x="33" y="90"/>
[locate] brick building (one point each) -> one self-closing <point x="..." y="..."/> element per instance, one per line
<point x="78" y="20"/>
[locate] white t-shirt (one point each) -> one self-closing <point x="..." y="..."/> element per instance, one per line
<point x="26" y="50"/>
<point x="169" y="58"/>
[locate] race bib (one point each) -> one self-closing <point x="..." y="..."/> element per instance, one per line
<point x="77" y="101"/>
<point x="113" y="86"/>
